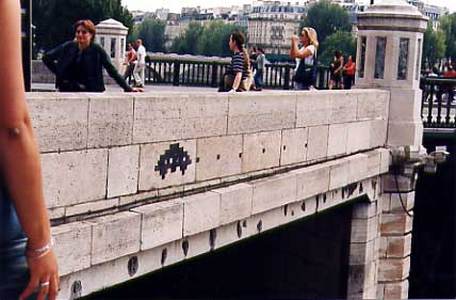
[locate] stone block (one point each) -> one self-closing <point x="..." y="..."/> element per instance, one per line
<point x="273" y="192"/>
<point x="399" y="246"/>
<point x="398" y="223"/>
<point x="405" y="134"/>
<point x="365" y="210"/>
<point x="311" y="181"/>
<point x="201" y="213"/>
<point x="383" y="247"/>
<point x="338" y="173"/>
<point x="115" y="236"/>
<point x="162" y="222"/>
<point x="72" y="246"/>
<point x="294" y="146"/>
<point x="171" y="253"/>
<point x="358" y="136"/>
<point x="405" y="105"/>
<point x="361" y="281"/>
<point x="90" y="207"/>
<point x="373" y="105"/>
<point x="199" y="243"/>
<point x="313" y="109"/>
<point x="202" y="185"/>
<point x="329" y="200"/>
<point x="230" y="233"/>
<point x="302" y="209"/>
<point x="393" y="269"/>
<point x="261" y="151"/>
<point x="268" y="111"/>
<point x="56" y="213"/>
<point x="218" y="157"/>
<point x="60" y="123"/>
<point x="378" y="133"/>
<point x="364" y="230"/>
<point x="385" y="160"/>
<point x="177" y="116"/>
<point x="123" y="171"/>
<point x="318" y="142"/>
<point x="373" y="163"/>
<point x="110" y="120"/>
<point x="343" y="107"/>
<point x="396" y="290"/>
<point x="235" y="202"/>
<point x="150" y="176"/>
<point x="357" y="167"/>
<point x="362" y="253"/>
<point x="407" y="199"/>
<point x="74" y="177"/>
<point x="337" y="139"/>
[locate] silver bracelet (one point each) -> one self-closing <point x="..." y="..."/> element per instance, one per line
<point x="40" y="252"/>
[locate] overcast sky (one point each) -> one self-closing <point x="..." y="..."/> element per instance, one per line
<point x="176" y="5"/>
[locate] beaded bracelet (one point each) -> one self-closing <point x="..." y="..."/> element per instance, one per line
<point x="39" y="252"/>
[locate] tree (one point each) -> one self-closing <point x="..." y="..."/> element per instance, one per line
<point x="327" y="18"/>
<point x="54" y="18"/>
<point x="152" y="32"/>
<point x="187" y="43"/>
<point x="342" y="41"/>
<point x="434" y="46"/>
<point x="448" y="26"/>
<point x="214" y="39"/>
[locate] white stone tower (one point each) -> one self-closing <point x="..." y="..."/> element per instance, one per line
<point x="112" y="36"/>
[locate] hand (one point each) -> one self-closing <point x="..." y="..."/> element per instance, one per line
<point x="44" y="278"/>
<point x="295" y="38"/>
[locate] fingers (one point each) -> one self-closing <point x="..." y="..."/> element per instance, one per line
<point x="44" y="286"/>
<point x="30" y="289"/>
<point x="53" y="288"/>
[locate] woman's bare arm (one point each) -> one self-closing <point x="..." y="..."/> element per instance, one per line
<point x="19" y="157"/>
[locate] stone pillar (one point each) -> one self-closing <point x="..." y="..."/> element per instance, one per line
<point x="390" y="42"/>
<point x="112" y="36"/>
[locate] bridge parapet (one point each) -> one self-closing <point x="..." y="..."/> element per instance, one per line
<point x="154" y="179"/>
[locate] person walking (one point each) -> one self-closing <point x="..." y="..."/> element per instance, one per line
<point x="305" y="75"/>
<point x="28" y="266"/>
<point x="336" y="71"/>
<point x="236" y="79"/>
<point x="349" y="73"/>
<point x="261" y="65"/>
<point x="130" y="61"/>
<point x="78" y="64"/>
<point x="140" y="67"/>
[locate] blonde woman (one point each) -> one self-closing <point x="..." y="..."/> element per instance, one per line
<point x="306" y="70"/>
<point x="28" y="266"/>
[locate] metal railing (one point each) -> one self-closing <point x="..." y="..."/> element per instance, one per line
<point x="210" y="74"/>
<point x="438" y="108"/>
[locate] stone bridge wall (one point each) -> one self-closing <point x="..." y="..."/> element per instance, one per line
<point x="247" y="163"/>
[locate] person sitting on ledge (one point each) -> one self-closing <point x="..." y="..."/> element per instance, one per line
<point x="237" y="78"/>
<point x="78" y="64"/>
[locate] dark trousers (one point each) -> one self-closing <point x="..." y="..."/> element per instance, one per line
<point x="349" y="80"/>
<point x="259" y="79"/>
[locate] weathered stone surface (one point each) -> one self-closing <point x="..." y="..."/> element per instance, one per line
<point x="378" y="133"/>
<point x="261" y="113"/>
<point x="218" y="157"/>
<point x="60" y="122"/>
<point x="362" y="253"/>
<point x="74" y="177"/>
<point x="372" y="105"/>
<point x="125" y="200"/>
<point x="361" y="281"/>
<point x="201" y="213"/>
<point x="235" y="202"/>
<point x="398" y="223"/>
<point x="56" y="212"/>
<point x="338" y="173"/>
<point x="337" y="139"/>
<point x="177" y="116"/>
<point x="399" y="246"/>
<point x="313" y="109"/>
<point x="294" y="146"/>
<point x="261" y="151"/>
<point x="273" y="192"/>
<point x="123" y="171"/>
<point x="93" y="206"/>
<point x="373" y="163"/>
<point x="358" y="136"/>
<point x="393" y="269"/>
<point x="357" y="167"/>
<point x="162" y="223"/>
<point x="365" y="210"/>
<point x="110" y="120"/>
<point x="311" y="181"/>
<point x="150" y="178"/>
<point x="72" y="246"/>
<point x="364" y="230"/>
<point x="318" y="142"/>
<point x="385" y="160"/>
<point x="115" y="236"/>
<point x="396" y="290"/>
<point x="407" y="199"/>
<point x="200" y="243"/>
<point x="343" y="107"/>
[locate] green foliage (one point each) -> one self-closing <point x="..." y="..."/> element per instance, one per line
<point x="211" y="39"/>
<point x="54" y="19"/>
<point x="434" y="46"/>
<point x="152" y="32"/>
<point x="342" y="41"/>
<point x="448" y="26"/>
<point x="327" y="18"/>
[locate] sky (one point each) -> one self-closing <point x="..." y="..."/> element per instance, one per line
<point x="176" y="5"/>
